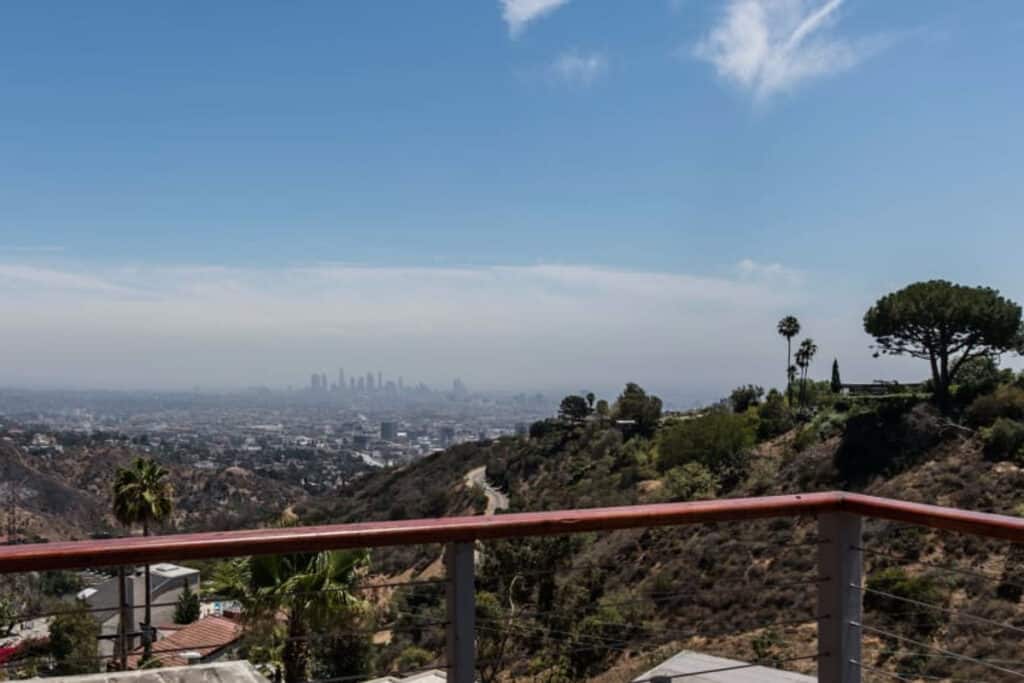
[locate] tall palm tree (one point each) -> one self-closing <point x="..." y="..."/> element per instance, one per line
<point x="311" y="591"/>
<point x="789" y="327"/>
<point x="804" y="355"/>
<point x="144" y="497"/>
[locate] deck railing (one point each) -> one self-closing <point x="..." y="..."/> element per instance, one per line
<point x="840" y="559"/>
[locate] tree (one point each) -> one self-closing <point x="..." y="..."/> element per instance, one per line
<point x="804" y="355"/>
<point x="947" y="325"/>
<point x="837" y="384"/>
<point x="590" y="400"/>
<point x="73" y="638"/>
<point x="789" y="327"/>
<point x="745" y="397"/>
<point x="143" y="496"/>
<point x="602" y="408"/>
<point x="308" y="592"/>
<point x="690" y="481"/>
<point x="774" y="416"/>
<point x="187" y="608"/>
<point x="573" y="408"/>
<point x="634" y="404"/>
<point x="720" y="441"/>
<point x="8" y="615"/>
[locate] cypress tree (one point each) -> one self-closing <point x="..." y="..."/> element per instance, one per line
<point x="837" y="383"/>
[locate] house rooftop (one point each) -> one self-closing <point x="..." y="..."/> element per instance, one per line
<point x="720" y="670"/>
<point x="172" y="571"/>
<point x="206" y="636"/>
<point x="221" y="672"/>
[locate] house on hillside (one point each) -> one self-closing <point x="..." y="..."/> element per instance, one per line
<point x="201" y="642"/>
<point x="168" y="582"/>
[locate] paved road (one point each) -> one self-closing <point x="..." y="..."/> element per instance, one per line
<point x="496" y="500"/>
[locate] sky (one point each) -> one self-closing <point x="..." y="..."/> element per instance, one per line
<point x="529" y="194"/>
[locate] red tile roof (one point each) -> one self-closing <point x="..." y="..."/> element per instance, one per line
<point x="206" y="636"/>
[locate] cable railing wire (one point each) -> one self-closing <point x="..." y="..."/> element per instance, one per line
<point x="222" y="598"/>
<point x="939" y="567"/>
<point x="939" y="608"/>
<point x="954" y="655"/>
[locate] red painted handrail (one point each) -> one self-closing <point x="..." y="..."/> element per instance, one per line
<point x="136" y="550"/>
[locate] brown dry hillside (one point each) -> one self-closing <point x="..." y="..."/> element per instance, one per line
<point x="613" y="601"/>
<point x="62" y="496"/>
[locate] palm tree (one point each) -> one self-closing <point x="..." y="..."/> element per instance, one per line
<point x="143" y="496"/>
<point x="311" y="591"/>
<point x="789" y="327"/>
<point x="804" y="355"/>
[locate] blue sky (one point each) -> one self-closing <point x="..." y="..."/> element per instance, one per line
<point x="820" y="152"/>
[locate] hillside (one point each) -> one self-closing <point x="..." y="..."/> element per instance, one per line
<point x="611" y="602"/>
<point x="65" y="494"/>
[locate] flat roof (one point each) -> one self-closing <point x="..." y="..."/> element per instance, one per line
<point x="688" y="662"/>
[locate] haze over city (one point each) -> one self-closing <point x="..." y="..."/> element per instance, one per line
<point x="529" y="195"/>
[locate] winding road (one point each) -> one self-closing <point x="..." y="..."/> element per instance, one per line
<point x="496" y="500"/>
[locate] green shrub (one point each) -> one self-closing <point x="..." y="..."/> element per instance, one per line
<point x="976" y="377"/>
<point x="774" y="416"/>
<point x="690" y="481"/>
<point x="1004" y="440"/>
<point x="804" y="439"/>
<point x="745" y="397"/>
<point x="902" y="587"/>
<point x="719" y="440"/>
<point x="413" y="658"/>
<point x="1006" y="401"/>
<point x="886" y="440"/>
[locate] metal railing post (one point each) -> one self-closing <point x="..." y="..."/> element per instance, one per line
<point x="839" y="605"/>
<point x="123" y="618"/>
<point x="461" y="629"/>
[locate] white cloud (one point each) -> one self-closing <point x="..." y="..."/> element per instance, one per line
<point x="518" y="13"/>
<point x="521" y="327"/>
<point x="771" y="46"/>
<point x="46" y="278"/>
<point x="750" y="269"/>
<point x="578" y="68"/>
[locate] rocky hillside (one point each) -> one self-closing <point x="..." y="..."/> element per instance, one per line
<point x="65" y="494"/>
<point x="592" y="604"/>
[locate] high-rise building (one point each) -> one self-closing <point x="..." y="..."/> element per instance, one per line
<point x="362" y="384"/>
<point x="351" y="383"/>
<point x="341" y="379"/>
<point x="314" y="382"/>
<point x="369" y="382"/>
<point x="389" y="431"/>
<point x="400" y="384"/>
<point x="380" y="380"/>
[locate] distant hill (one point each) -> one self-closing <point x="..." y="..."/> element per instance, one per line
<point x="66" y="495"/>
<point x="726" y="578"/>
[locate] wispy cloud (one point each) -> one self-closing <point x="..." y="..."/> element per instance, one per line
<point x="578" y="68"/>
<point x="749" y="269"/>
<point x="31" y="248"/>
<point x="15" y="276"/>
<point x="771" y="46"/>
<point x="519" y="13"/>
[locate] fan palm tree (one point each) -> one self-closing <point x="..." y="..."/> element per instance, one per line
<point x="789" y="327"/>
<point x="311" y="591"/>
<point x="143" y="497"/>
<point x="804" y="355"/>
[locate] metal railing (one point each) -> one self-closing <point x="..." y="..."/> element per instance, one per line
<point x="841" y="557"/>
